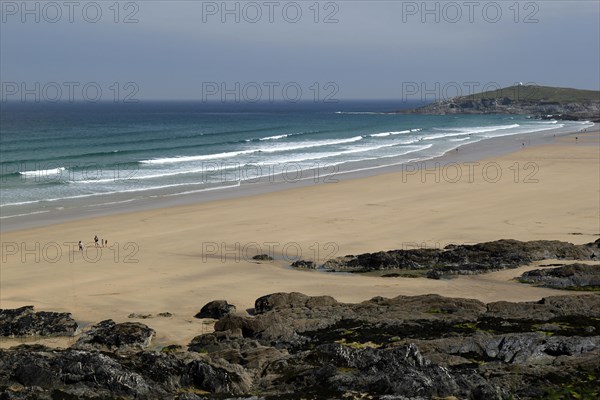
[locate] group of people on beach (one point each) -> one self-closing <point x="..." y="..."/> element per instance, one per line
<point x="97" y="243"/>
<point x="103" y="242"/>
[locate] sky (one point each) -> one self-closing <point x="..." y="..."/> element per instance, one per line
<point x="306" y="50"/>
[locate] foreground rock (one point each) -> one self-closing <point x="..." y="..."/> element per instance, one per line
<point x="215" y="309"/>
<point x="42" y="373"/>
<point x="465" y="259"/>
<point x="426" y="345"/>
<point x="118" y="338"/>
<point x="302" y="347"/>
<point x="568" y="277"/>
<point x="25" y="321"/>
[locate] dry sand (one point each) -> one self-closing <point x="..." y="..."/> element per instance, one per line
<point x="186" y="256"/>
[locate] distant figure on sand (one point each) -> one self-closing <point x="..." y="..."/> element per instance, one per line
<point x="80" y="246"/>
<point x="96" y="240"/>
<point x="105" y="243"/>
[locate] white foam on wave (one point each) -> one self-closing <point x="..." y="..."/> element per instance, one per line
<point x="224" y="167"/>
<point x="383" y="134"/>
<point x="44" y="172"/>
<point x="479" y="129"/>
<point x="270" y="149"/>
<point x="360" y="113"/>
<point x="206" y="168"/>
<point x="22" y="215"/>
<point x="172" y="194"/>
<point x="232" y="166"/>
<point x="308" y="145"/>
<point x="414" y="149"/>
<point x="318" y="156"/>
<point x="20" y="203"/>
<point x="443" y="135"/>
<point x="82" y="196"/>
<point x="276" y="137"/>
<point x="533" y="129"/>
<point x="118" y="192"/>
<point x="112" y="203"/>
<point x="407" y="150"/>
<point x="211" y="189"/>
<point x="450" y="132"/>
<point x="282" y="136"/>
<point x="299" y="158"/>
<point x="178" y="159"/>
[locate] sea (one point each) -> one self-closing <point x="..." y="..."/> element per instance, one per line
<point x="78" y="156"/>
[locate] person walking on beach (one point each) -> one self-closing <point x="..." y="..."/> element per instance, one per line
<point x="96" y="240"/>
<point x="80" y="246"/>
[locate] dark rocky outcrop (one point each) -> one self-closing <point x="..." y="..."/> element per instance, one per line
<point x="290" y="300"/>
<point x="540" y="101"/>
<point x="464" y="259"/>
<point x="216" y="309"/>
<point x="262" y="257"/>
<point x="118" y="338"/>
<point x="547" y="308"/>
<point x="165" y="314"/>
<point x="139" y="316"/>
<point x="24" y="321"/>
<point x="146" y="316"/>
<point x="303" y="347"/>
<point x="304" y="264"/>
<point x="434" y="274"/>
<point x="569" y="277"/>
<point x="541" y="110"/>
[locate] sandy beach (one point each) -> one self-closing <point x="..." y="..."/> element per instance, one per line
<point x="177" y="259"/>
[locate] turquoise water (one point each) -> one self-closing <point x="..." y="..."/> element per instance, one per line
<point x="53" y="155"/>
